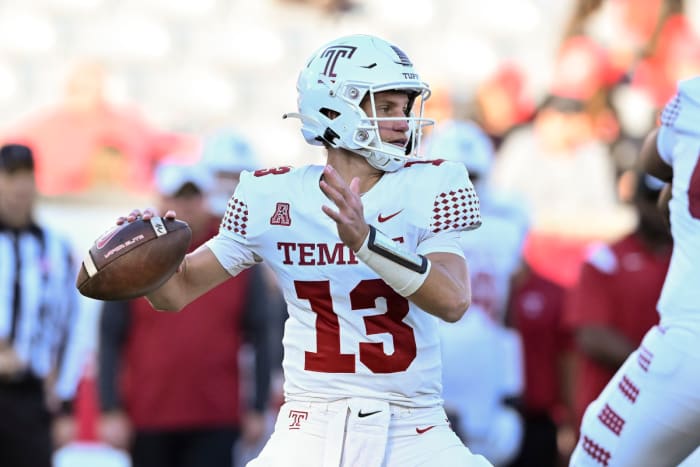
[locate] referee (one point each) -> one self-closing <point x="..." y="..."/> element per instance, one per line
<point x="38" y="315"/>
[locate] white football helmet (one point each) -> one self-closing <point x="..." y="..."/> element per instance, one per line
<point x="338" y="77"/>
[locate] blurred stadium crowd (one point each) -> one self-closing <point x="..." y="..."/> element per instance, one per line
<point x="546" y="102"/>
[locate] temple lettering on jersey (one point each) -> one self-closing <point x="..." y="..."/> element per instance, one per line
<point x="318" y="254"/>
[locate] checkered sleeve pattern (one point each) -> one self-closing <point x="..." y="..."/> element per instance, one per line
<point x="671" y="111"/>
<point x="457" y="209"/>
<point x="236" y="218"/>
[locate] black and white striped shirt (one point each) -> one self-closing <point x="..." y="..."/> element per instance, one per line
<point x="39" y="304"/>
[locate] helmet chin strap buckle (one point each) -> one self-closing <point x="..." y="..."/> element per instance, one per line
<point x="380" y="158"/>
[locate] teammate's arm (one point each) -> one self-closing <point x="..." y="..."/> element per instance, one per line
<point x="199" y="272"/>
<point x="651" y="161"/>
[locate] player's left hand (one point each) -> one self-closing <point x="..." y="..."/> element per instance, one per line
<point x="350" y="219"/>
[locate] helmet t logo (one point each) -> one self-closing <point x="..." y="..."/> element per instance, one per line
<point x="332" y="54"/>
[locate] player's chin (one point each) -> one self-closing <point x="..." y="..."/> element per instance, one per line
<point x="400" y="144"/>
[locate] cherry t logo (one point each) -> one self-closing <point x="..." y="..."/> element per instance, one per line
<point x="296" y="417"/>
<point x="332" y="54"/>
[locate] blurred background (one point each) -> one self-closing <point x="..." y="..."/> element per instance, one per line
<point x="103" y="89"/>
<point x="563" y="91"/>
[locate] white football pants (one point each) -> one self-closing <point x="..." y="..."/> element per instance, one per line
<point x="649" y="413"/>
<point x="363" y="433"/>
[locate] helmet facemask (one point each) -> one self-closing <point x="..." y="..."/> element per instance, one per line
<point x="386" y="155"/>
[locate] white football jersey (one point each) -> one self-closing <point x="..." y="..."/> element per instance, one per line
<point x="348" y="333"/>
<point x="679" y="146"/>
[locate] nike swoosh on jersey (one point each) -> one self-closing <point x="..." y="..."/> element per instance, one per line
<point x="381" y="218"/>
<point x="362" y="414"/>
<point x="420" y="431"/>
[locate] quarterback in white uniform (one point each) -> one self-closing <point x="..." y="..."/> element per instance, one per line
<point x="346" y="325"/>
<point x="649" y="413"/>
<point x="366" y="250"/>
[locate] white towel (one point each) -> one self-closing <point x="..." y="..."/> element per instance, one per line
<point x="335" y="436"/>
<point x="357" y="434"/>
<point x="366" y="434"/>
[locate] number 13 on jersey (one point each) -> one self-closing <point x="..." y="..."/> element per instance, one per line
<point x="328" y="357"/>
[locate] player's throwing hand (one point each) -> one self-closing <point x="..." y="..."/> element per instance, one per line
<point x="352" y="228"/>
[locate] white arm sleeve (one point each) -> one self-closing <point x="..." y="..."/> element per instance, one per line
<point x="443" y="242"/>
<point x="230" y="245"/>
<point x="233" y="255"/>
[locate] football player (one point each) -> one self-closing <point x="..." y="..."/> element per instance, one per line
<point x="366" y="249"/>
<point x="649" y="413"/>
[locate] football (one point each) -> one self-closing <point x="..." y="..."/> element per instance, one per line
<point x="133" y="259"/>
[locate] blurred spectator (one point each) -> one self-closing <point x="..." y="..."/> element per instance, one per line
<point x="87" y="142"/>
<point x="480" y="344"/>
<point x="618" y="32"/>
<point x="226" y="154"/>
<point x="649" y="43"/>
<point x="40" y="358"/>
<point x="582" y="70"/>
<point x="187" y="405"/>
<point x="536" y="311"/>
<point x="614" y="303"/>
<point x="673" y="55"/>
<point x="502" y="103"/>
<point x="563" y="169"/>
